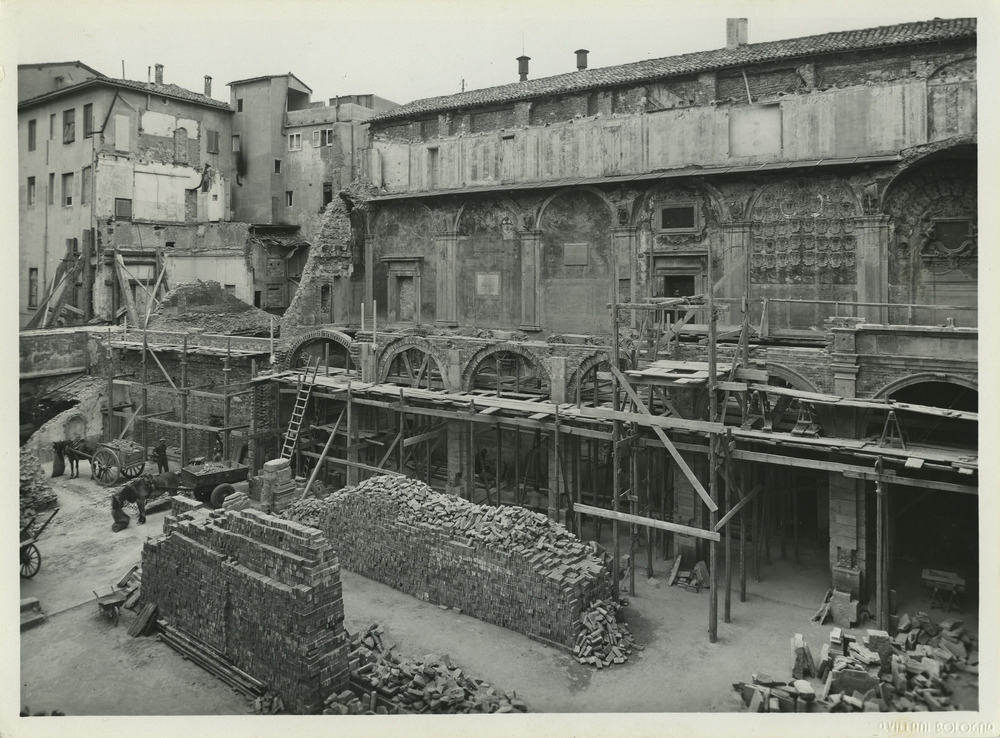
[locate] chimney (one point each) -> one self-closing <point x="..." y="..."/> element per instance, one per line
<point x="208" y="86"/>
<point x="522" y="67"/>
<point x="736" y="32"/>
<point x="159" y="74"/>
<point x="581" y="59"/>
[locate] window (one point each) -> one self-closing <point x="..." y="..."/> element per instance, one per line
<point x="327" y="193"/>
<point x="679" y="217"/>
<point x="69" y="125"/>
<point x="277" y="166"/>
<point x="31" y="190"/>
<point x="236" y="142"/>
<point x="52" y="188"/>
<point x="230" y="288"/>
<point x="323" y="137"/>
<point x="52" y="126"/>
<point x="33" y="287"/>
<point x="67" y="189"/>
<point x="239" y="105"/>
<point x="86" y="181"/>
<point x="88" y="120"/>
<point x="32" y="133"/>
<point x="123" y="208"/>
<point x="324" y="298"/>
<point x="212" y="142"/>
<point x="72" y="246"/>
<point x="294" y="141"/>
<point x="288" y="198"/>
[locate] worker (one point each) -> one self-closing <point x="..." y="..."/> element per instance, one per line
<point x="131" y="492"/>
<point x="161" y="457"/>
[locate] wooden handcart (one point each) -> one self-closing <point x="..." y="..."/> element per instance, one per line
<point x="31" y="559"/>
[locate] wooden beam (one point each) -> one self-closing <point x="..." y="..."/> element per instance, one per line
<point x="687" y="530"/>
<point x="354" y="464"/>
<point x="737" y="507"/>
<point x="667" y="443"/>
<point x="426" y="436"/>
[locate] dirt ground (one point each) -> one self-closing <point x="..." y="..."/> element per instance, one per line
<point x="77" y="662"/>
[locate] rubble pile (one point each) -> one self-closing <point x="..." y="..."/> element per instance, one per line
<point x="390" y="684"/>
<point x="36" y="492"/>
<point x="504" y="565"/>
<point x="881" y="673"/>
<point x="209" y="307"/>
<point x="603" y="638"/>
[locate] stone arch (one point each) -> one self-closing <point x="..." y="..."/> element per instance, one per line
<point x="396" y="347"/>
<point x="294" y="351"/>
<point x="794" y="379"/>
<point x="503" y="202"/>
<point x="472" y="366"/>
<point x="700" y="186"/>
<point x="385" y="210"/>
<point x="612" y="211"/>
<point x="933" y="430"/>
<point x="912" y="379"/>
<point x="775" y="187"/>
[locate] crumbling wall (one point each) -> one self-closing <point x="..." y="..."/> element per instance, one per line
<point x="265" y="592"/>
<point x="504" y="565"/>
<point x="330" y="264"/>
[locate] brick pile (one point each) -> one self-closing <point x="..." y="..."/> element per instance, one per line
<point x="603" y="639"/>
<point x="504" y="565"/>
<point x="390" y="684"/>
<point x="908" y="672"/>
<point x="36" y="492"/>
<point x="262" y="591"/>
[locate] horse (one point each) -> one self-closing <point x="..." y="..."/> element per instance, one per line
<point x="79" y="448"/>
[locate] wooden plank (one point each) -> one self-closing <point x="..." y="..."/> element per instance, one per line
<point x="355" y="464"/>
<point x="732" y="386"/>
<point x="668" y="444"/>
<point x="427" y="435"/>
<point x="623" y="517"/>
<point x="737" y="507"/>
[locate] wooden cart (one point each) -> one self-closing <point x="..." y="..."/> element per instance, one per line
<point x="213" y="481"/>
<point x="117" y="460"/>
<point x="31" y="559"/>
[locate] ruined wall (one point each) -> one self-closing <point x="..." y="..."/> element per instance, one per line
<point x="52" y="351"/>
<point x="504" y="565"/>
<point x="489" y="265"/>
<point x="263" y="591"/>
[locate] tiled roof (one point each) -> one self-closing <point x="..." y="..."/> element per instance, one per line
<point x="174" y="91"/>
<point x="693" y="63"/>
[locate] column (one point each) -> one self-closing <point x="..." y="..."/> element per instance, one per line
<point x="872" y="261"/>
<point x="446" y="308"/>
<point x="531" y="279"/>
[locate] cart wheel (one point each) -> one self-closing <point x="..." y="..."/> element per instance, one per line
<point x="220" y="493"/>
<point x="105" y="467"/>
<point x="114" y="616"/>
<point x="131" y="472"/>
<point x="31" y="561"/>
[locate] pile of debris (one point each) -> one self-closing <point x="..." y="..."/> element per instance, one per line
<point x="307" y="512"/>
<point x="604" y="639"/>
<point x="209" y="307"/>
<point x="693" y="580"/>
<point x="879" y="673"/>
<point x="429" y="685"/>
<point x="36" y="492"/>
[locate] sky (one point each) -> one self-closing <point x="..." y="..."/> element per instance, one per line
<point x="401" y="50"/>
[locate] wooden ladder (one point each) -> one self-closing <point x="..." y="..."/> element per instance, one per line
<point x="301" y="400"/>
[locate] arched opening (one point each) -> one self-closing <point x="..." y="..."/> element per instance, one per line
<point x="332" y="355"/>
<point x="414" y="367"/>
<point x="510" y="374"/>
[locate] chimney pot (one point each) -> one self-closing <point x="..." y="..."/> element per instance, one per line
<point x="522" y="67"/>
<point x="208" y="86"/>
<point x="736" y="32"/>
<point x="581" y="59"/>
<point x="159" y="74"/>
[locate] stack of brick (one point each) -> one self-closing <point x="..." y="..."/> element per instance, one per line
<point x="504" y="565"/>
<point x="36" y="492"/>
<point x="262" y="591"/>
<point x="603" y="640"/>
<point x="279" y="488"/>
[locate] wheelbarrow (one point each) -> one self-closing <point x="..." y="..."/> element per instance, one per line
<point x="110" y="604"/>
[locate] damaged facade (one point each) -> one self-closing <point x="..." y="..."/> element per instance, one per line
<point x="293" y="156"/>
<point x="121" y="182"/>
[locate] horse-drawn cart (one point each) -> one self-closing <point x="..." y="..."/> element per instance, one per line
<point x="118" y="459"/>
<point x="31" y="559"/>
<point x="212" y="481"/>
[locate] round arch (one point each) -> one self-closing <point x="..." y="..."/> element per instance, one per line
<point x="962" y="152"/>
<point x="478" y="359"/>
<point x="703" y="188"/>
<point x="570" y="190"/>
<point x="420" y="375"/>
<point x="389" y="208"/>
<point x="802" y="182"/>
<point x="934" y="390"/>
<point x="501" y="200"/>
<point x="924" y="377"/>
<point x="323" y="337"/>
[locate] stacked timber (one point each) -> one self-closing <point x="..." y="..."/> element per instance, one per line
<point x="36" y="492"/>
<point x="504" y="565"/>
<point x="384" y="683"/>
<point x="878" y="672"/>
<point x="603" y="639"/>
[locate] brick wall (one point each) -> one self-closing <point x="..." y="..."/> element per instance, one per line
<point x="504" y="565"/>
<point x="51" y="350"/>
<point x="553" y="109"/>
<point x="265" y="592"/>
<point x="491" y="120"/>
